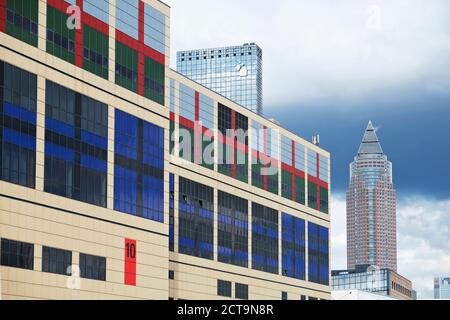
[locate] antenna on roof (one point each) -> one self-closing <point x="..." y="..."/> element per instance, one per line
<point x="316" y="139"/>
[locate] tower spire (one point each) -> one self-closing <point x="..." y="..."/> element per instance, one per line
<point x="370" y="143"/>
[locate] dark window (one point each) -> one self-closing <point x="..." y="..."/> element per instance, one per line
<point x="284" y="295"/>
<point x="92" y="267"/>
<point x="232" y="229"/>
<point x="21" y="20"/>
<point x="196" y="219"/>
<point x="138" y="167"/>
<point x="264" y="238"/>
<point x="60" y="38"/>
<point x="223" y="288"/>
<point x="95" y="51"/>
<point x="75" y="145"/>
<point x="293" y="246"/>
<point x="241" y="291"/>
<point x="171" y="274"/>
<point x="318" y="254"/>
<point x="154" y="80"/>
<point x="56" y="261"/>
<point x="17" y="254"/>
<point x="303" y="297"/>
<point x="18" y="90"/>
<point x="171" y="211"/>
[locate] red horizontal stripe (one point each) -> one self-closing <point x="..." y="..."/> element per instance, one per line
<point x="95" y="23"/>
<point x="140" y="47"/>
<point x="266" y="158"/>
<point x="317" y="181"/>
<point x="292" y="170"/>
<point x="59" y="5"/>
<point x="229" y="142"/>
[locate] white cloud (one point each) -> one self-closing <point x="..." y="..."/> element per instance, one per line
<point x="423" y="240"/>
<point x="324" y="50"/>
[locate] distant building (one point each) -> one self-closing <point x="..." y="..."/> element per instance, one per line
<point x="371" y="207"/>
<point x="234" y="72"/>
<point x="357" y="295"/>
<point x="381" y="281"/>
<point x="441" y="288"/>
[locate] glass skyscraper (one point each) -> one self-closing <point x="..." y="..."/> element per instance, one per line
<point x="441" y="288"/>
<point x="371" y="207"/>
<point x="234" y="72"/>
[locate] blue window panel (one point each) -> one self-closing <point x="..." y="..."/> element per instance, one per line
<point x="98" y="9"/>
<point x="206" y="111"/>
<point x="59" y="127"/>
<point x="171" y="211"/>
<point x="94" y="139"/>
<point x="19" y="139"/>
<point x="127" y="17"/>
<point x="154" y="29"/>
<point x="265" y="238"/>
<point x="323" y="168"/>
<point x="153" y="199"/>
<point x="300" y="156"/>
<point x="293" y="247"/>
<point x="187" y="102"/>
<point x="286" y="150"/>
<point x="312" y="163"/>
<point x="126" y="134"/>
<point x="318" y="254"/>
<point x="19" y="113"/>
<point x="59" y="152"/>
<point x="93" y="163"/>
<point x="125" y="190"/>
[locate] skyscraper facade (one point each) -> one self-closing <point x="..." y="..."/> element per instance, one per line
<point x="234" y="72"/>
<point x="371" y="207"/>
<point x="441" y="288"/>
<point x="96" y="202"/>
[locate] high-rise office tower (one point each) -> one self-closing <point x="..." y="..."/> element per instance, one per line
<point x="371" y="207"/>
<point x="442" y="288"/>
<point x="234" y="72"/>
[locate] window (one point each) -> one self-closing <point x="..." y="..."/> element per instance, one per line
<point x="60" y="39"/>
<point x="95" y="52"/>
<point x="92" y="267"/>
<point x="284" y="295"/>
<point x="232" y="229"/>
<point x="76" y="138"/>
<point x="154" y="80"/>
<point x="22" y="20"/>
<point x="303" y="297"/>
<point x="241" y="291"/>
<point x="138" y="167"/>
<point x="264" y="238"/>
<point x="224" y="288"/>
<point x="318" y="254"/>
<point x="171" y="274"/>
<point x="17" y="254"/>
<point x="154" y="29"/>
<point x="126" y="67"/>
<point x="196" y="219"/>
<point x="127" y="15"/>
<point x="293" y="247"/>
<point x="56" y="261"/>
<point x="18" y="90"/>
<point x="171" y="211"/>
<point x="292" y="170"/>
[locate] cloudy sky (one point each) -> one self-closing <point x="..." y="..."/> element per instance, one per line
<point x="335" y="65"/>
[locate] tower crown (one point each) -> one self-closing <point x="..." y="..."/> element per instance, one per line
<point x="370" y="143"/>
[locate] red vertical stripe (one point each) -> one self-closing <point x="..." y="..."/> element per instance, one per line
<point x="265" y="153"/>
<point x="2" y="15"/>
<point x="130" y="262"/>
<point x="79" y="38"/>
<point x="233" y="146"/>
<point x="293" y="170"/>
<point x="197" y="106"/>
<point x="141" y="59"/>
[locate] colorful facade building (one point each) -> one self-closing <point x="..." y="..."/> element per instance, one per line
<point x="122" y="179"/>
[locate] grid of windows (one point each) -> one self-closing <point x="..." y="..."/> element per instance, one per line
<point x="241" y="291"/>
<point x="98" y="9"/>
<point x="138" y="167"/>
<point x="95" y="52"/>
<point x="232" y="229"/>
<point x="318" y="181"/>
<point x="18" y="90"/>
<point x="126" y="67"/>
<point x="196" y="219"/>
<point x="318" y="252"/>
<point x="56" y="261"/>
<point x="92" y="267"/>
<point x="264" y="238"/>
<point x="154" y="81"/>
<point x="292" y="170"/>
<point x="154" y="29"/>
<point x="372" y="281"/>
<point x="60" y="39"/>
<point x="224" y="288"/>
<point x="22" y="20"/>
<point x="233" y="145"/>
<point x="171" y="211"/>
<point x="127" y="17"/>
<point x="75" y="145"/>
<point x="293" y="246"/>
<point x="17" y="254"/>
